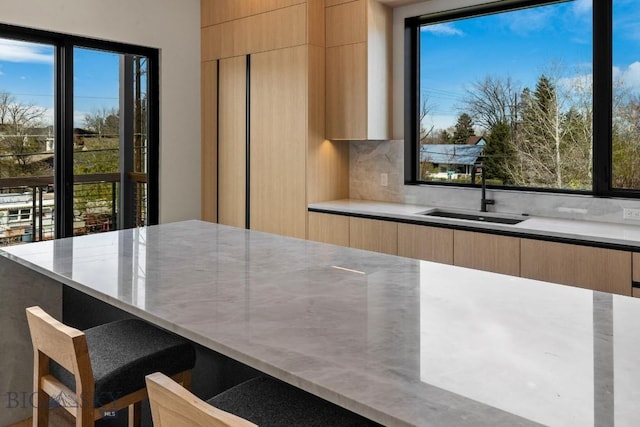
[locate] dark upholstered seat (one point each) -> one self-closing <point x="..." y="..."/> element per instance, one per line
<point x="123" y="352"/>
<point x="271" y="403"/>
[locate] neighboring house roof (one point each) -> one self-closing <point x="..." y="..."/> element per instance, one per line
<point x="453" y="154"/>
<point x="476" y="140"/>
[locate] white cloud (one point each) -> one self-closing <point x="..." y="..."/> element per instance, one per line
<point x="17" y="51"/>
<point x="443" y="30"/>
<point x="630" y="76"/>
<point x="582" y="7"/>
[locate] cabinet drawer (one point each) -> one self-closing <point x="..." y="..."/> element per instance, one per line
<point x="600" y="269"/>
<point x="427" y="243"/>
<point x="488" y="252"/>
<point x="373" y="235"/>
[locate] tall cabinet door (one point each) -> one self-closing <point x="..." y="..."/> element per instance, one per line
<point x="232" y="141"/>
<point x="278" y="119"/>
<point x="209" y="147"/>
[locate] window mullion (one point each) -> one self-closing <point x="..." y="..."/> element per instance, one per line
<point x="63" y="174"/>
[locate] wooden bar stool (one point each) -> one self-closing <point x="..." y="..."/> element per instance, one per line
<point x="102" y="369"/>
<point x="260" y="401"/>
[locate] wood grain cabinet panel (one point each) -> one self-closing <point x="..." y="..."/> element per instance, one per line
<point x="599" y="269"/>
<point x="216" y="11"/>
<point x="328" y="228"/>
<point x="373" y="235"/>
<point x="232" y="141"/>
<point x="488" y="252"/>
<point x="346" y="23"/>
<point x="426" y="243"/>
<point x="209" y="160"/>
<point x="358" y="71"/>
<point x="275" y="29"/>
<point x="635" y="262"/>
<point x="278" y="123"/>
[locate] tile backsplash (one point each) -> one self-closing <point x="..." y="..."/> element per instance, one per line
<point x="369" y="159"/>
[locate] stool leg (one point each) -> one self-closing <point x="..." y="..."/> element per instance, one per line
<point x="41" y="399"/>
<point x="135" y="412"/>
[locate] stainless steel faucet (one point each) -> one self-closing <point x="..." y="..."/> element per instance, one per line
<point x="483" y="201"/>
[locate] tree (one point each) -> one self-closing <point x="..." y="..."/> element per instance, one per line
<point x="104" y="122"/>
<point x="463" y="129"/>
<point x="554" y="144"/>
<point x="492" y="101"/>
<point x="21" y="138"/>
<point x="498" y="153"/>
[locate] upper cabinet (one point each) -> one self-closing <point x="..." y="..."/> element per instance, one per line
<point x="265" y="156"/>
<point x="358" y="70"/>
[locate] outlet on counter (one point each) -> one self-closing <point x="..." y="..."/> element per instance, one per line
<point x="384" y="179"/>
<point x="632" y="214"/>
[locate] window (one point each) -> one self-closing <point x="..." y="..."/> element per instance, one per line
<point x="529" y="90"/>
<point x="90" y="108"/>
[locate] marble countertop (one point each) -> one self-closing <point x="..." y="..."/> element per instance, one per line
<point x="401" y="341"/>
<point x="589" y="232"/>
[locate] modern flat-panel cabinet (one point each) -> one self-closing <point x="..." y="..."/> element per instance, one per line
<point x="635" y="261"/>
<point x="599" y="269"/>
<point x="489" y="252"/>
<point x="265" y="156"/>
<point x="426" y="243"/>
<point x="278" y="141"/>
<point x="328" y="228"/>
<point x="358" y="70"/>
<point x="373" y="235"/>
<point x="232" y="153"/>
<point x="209" y="148"/>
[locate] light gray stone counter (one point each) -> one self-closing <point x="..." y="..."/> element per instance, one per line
<point x="401" y="341"/>
<point x="586" y="232"/>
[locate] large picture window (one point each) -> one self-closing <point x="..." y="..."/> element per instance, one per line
<point x="78" y="135"/>
<point x="531" y="91"/>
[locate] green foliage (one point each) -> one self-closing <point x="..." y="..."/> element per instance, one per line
<point x="498" y="152"/>
<point x="463" y="129"/>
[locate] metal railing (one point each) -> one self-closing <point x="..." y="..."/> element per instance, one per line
<point x="27" y="206"/>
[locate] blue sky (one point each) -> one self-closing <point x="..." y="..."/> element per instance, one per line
<point x="27" y="72"/>
<point x="520" y="45"/>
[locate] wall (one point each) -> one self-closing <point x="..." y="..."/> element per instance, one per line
<point x="369" y="159"/>
<point x="174" y="28"/>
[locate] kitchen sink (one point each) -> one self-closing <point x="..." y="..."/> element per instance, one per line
<point x="479" y="216"/>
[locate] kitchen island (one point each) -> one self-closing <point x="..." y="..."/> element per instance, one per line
<point x="400" y="341"/>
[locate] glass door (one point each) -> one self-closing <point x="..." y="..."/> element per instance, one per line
<point x="27" y="141"/>
<point x="109" y="141"/>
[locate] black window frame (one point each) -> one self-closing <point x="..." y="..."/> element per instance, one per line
<point x="64" y="45"/>
<point x="602" y="95"/>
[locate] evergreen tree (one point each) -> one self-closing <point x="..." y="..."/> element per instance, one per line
<point x="463" y="129"/>
<point x="498" y="152"/>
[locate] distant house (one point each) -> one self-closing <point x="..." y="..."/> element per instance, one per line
<point x="451" y="160"/>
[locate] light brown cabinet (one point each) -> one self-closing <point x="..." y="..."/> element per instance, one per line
<point x="588" y="267"/>
<point x="329" y="228"/>
<point x="426" y="243"/>
<point x="635" y="261"/>
<point x="488" y="252"/>
<point x="276" y="142"/>
<point x="278" y="138"/>
<point x="358" y="70"/>
<point x="209" y="150"/>
<point x="373" y="235"/>
<point x="232" y="114"/>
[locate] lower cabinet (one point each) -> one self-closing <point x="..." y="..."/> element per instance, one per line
<point x="328" y="228"/>
<point x="599" y="269"/>
<point x="488" y="252"/>
<point x="373" y="235"/>
<point x="426" y="243"/>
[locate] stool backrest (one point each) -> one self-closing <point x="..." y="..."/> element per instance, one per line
<point x="174" y="406"/>
<point x="66" y="345"/>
